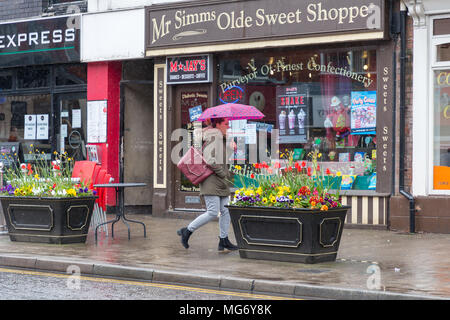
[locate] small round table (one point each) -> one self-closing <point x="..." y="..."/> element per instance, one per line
<point x="120" y="200"/>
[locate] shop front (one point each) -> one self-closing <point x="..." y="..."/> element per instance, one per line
<point x="42" y="90"/>
<point x="320" y="74"/>
<point x="428" y="179"/>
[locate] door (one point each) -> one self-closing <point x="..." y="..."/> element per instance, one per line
<point x="189" y="98"/>
<point x="138" y="143"/>
<point x="72" y="116"/>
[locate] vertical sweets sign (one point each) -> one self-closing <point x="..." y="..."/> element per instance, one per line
<point x="160" y="127"/>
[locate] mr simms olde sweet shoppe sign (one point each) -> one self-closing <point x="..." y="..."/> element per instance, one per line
<point x="204" y="22"/>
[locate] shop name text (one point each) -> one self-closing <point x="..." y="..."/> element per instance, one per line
<point x="315" y="13"/>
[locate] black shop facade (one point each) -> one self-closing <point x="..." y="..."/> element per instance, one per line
<point x="318" y="73"/>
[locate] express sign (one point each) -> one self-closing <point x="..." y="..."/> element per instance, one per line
<point x="191" y="69"/>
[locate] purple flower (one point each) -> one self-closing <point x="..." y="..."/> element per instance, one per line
<point x="86" y="190"/>
<point x="94" y="192"/>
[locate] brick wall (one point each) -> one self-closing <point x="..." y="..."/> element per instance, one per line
<point x="19" y="9"/>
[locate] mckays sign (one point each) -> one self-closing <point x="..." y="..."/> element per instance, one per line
<point x="188" y="69"/>
<point x="201" y="22"/>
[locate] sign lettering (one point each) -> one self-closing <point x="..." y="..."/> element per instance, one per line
<point x="252" y="19"/>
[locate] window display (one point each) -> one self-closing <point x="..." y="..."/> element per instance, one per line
<point x="308" y="95"/>
<point x="441" y="128"/>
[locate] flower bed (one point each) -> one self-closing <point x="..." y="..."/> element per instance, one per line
<point x="44" y="179"/>
<point x="293" y="186"/>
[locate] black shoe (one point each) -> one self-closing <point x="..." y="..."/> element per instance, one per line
<point x="224" y="243"/>
<point x="185" y="234"/>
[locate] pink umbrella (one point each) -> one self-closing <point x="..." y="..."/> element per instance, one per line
<point x="232" y="111"/>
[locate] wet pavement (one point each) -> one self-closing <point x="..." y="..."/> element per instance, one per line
<point x="377" y="262"/>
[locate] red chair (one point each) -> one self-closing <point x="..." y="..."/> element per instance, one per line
<point x="100" y="191"/>
<point x="99" y="214"/>
<point x="84" y="170"/>
<point x="95" y="175"/>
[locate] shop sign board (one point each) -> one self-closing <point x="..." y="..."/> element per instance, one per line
<point x="189" y="69"/>
<point x="42" y="41"/>
<point x="206" y="22"/>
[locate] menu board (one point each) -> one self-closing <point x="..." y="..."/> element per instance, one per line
<point x="292" y="114"/>
<point x="97" y="112"/>
<point x="363" y="112"/>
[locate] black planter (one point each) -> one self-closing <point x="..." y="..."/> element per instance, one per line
<point x="48" y="220"/>
<point x="292" y="235"/>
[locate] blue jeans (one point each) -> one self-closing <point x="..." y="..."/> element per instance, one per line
<point x="214" y="204"/>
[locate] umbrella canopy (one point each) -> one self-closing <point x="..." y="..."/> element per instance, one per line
<point x="232" y="111"/>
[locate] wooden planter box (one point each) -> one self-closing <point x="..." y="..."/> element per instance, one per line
<point x="48" y="220"/>
<point x="292" y="235"/>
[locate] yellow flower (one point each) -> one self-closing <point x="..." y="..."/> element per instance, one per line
<point x="16" y="192"/>
<point x="338" y="173"/>
<point x="264" y="200"/>
<point x="238" y="167"/>
<point x="36" y="176"/>
<point x="71" y="192"/>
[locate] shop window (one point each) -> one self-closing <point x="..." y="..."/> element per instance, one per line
<point x="31" y="78"/>
<point x="6" y="81"/>
<point x="443" y="52"/>
<point x="310" y="96"/>
<point x="25" y="120"/>
<point x="441" y="130"/>
<point x="67" y="75"/>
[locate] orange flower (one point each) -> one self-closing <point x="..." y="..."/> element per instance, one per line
<point x="324" y="208"/>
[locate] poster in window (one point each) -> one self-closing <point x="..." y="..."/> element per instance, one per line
<point x="363" y="112"/>
<point x="292" y="114"/>
<point x="30" y="127"/>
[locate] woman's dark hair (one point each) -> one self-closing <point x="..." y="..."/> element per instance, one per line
<point x="216" y="121"/>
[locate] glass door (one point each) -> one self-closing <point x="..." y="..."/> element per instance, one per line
<point x="72" y="119"/>
<point x="189" y="100"/>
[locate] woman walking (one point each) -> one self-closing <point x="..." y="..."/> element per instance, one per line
<point x="215" y="189"/>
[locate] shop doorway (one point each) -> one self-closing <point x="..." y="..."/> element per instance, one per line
<point x="137" y="145"/>
<point x="72" y="119"/>
<point x="188" y="98"/>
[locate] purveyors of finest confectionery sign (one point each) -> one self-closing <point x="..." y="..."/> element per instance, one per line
<point x="206" y="22"/>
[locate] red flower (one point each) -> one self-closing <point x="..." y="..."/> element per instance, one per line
<point x="276" y="165"/>
<point x="328" y="171"/>
<point x="303" y="164"/>
<point x="252" y="176"/>
<point x="264" y="165"/>
<point x="309" y="171"/>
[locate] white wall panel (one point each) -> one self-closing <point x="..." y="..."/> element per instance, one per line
<point x="113" y="35"/>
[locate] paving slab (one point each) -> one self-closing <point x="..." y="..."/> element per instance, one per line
<point x="371" y="264"/>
